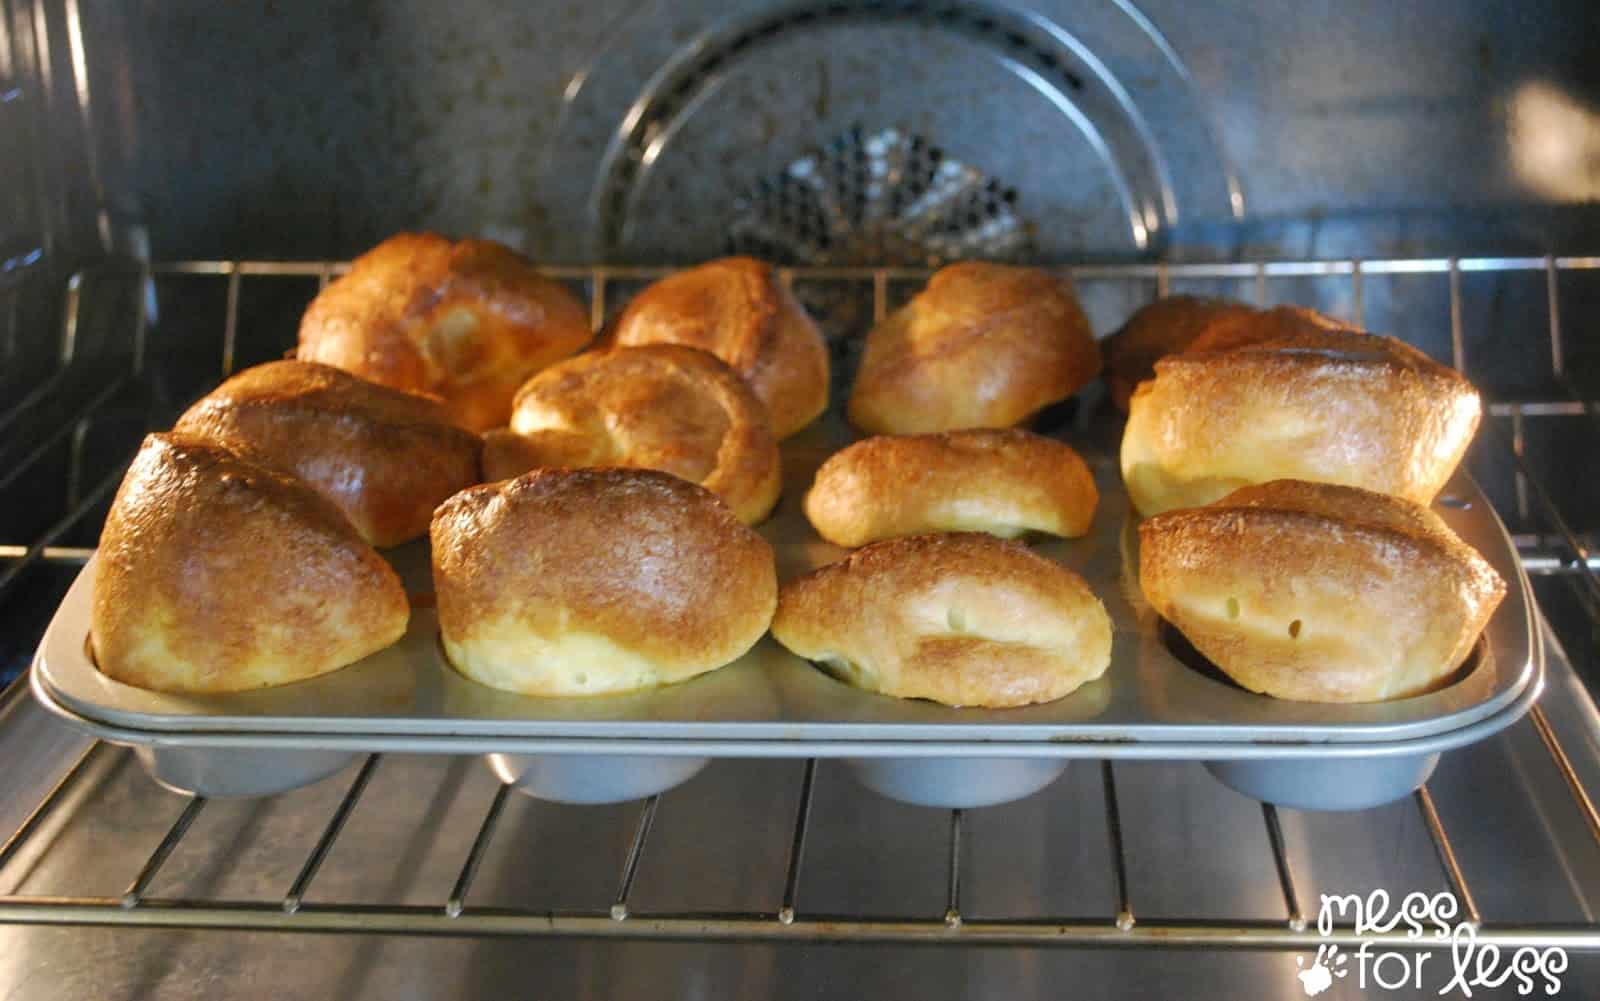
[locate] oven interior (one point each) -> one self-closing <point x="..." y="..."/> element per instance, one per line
<point x="182" y="179"/>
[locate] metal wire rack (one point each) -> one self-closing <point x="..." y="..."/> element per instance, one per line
<point x="1557" y="549"/>
<point x="455" y="916"/>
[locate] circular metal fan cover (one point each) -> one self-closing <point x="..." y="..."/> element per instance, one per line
<point x="888" y="197"/>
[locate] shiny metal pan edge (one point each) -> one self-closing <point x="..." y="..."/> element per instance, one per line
<point x="1208" y="751"/>
<point x="770" y="703"/>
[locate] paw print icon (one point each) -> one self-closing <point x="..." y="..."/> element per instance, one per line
<point x="1319" y="976"/>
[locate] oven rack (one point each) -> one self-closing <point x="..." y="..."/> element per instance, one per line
<point x="1556" y="548"/>
<point x="455" y="916"/>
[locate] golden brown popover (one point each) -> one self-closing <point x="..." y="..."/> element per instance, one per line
<point x="596" y="581"/>
<point x="984" y="345"/>
<point x="737" y="309"/>
<point x="384" y="457"/>
<point x="467" y="321"/>
<point x="215" y="574"/>
<point x="666" y="407"/>
<point x="1318" y="592"/>
<point x="963" y="619"/>
<point x="1167" y="326"/>
<point x="1291" y="394"/>
<point x="1001" y="481"/>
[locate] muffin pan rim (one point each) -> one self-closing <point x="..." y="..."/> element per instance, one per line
<point x="769" y="703"/>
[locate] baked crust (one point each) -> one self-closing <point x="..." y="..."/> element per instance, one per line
<point x="666" y="407"/>
<point x="984" y="345"/>
<point x="737" y="309"/>
<point x="1291" y="394"/>
<point x="1001" y="481"/>
<point x="963" y="619"/>
<point x="1318" y="592"/>
<point x="385" y="458"/>
<point x="468" y="321"/>
<point x="596" y="581"/>
<point x="218" y="575"/>
<point x="1166" y="326"/>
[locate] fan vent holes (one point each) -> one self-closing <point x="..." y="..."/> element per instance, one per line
<point x="856" y="182"/>
<point x="845" y="167"/>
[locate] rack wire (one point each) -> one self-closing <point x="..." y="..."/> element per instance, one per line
<point x="1560" y="550"/>
<point x="455" y="916"/>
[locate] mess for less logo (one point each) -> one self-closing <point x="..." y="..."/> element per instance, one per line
<point x="1472" y="964"/>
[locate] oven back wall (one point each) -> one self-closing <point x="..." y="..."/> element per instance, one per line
<point x="304" y="129"/>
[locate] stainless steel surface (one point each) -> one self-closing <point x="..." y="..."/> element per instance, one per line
<point x="927" y="757"/>
<point x="952" y="782"/>
<point x="587" y="778"/>
<point x="1342" y="784"/>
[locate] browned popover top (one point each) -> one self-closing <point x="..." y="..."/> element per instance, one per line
<point x="1319" y="592"/>
<point x="215" y="574"/>
<point x="1166" y="326"/>
<point x="984" y="345"/>
<point x="1296" y="337"/>
<point x="961" y="618"/>
<point x="662" y="406"/>
<point x="1003" y="481"/>
<point x="654" y="564"/>
<point x="467" y="321"/>
<point x="384" y="457"/>
<point x="1400" y="522"/>
<point x="737" y="309"/>
<point x="1290" y="394"/>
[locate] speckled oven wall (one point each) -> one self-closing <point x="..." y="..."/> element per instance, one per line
<point x="299" y="128"/>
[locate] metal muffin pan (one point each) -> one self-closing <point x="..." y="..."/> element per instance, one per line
<point x="1149" y="704"/>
